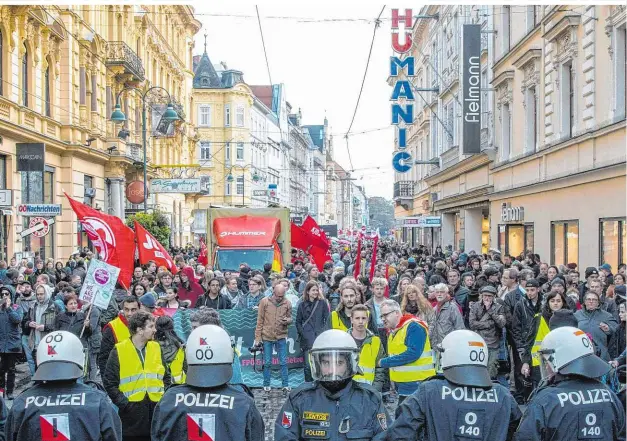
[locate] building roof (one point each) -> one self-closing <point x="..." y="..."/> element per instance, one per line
<point x="264" y="93"/>
<point x="205" y="76"/>
<point x="317" y="135"/>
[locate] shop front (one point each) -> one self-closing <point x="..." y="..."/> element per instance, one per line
<point x="582" y="224"/>
<point x="421" y="230"/>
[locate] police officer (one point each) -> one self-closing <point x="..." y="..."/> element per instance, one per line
<point x="57" y="407"/>
<point x="571" y="404"/>
<point x="462" y="403"/>
<point x="333" y="407"/>
<point x="206" y="407"/>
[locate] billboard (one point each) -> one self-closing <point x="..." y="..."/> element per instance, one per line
<point x="329" y="229"/>
<point x="30" y="156"/>
<point x="175" y="186"/>
<point x="471" y="89"/>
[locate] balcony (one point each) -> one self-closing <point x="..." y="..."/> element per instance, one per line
<point x="404" y="189"/>
<point x="120" y="54"/>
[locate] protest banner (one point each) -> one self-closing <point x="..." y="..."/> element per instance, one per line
<point x="240" y="324"/>
<point x="99" y="283"/>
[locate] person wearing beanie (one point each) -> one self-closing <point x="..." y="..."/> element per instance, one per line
<point x="591" y="274"/>
<point x="561" y="318"/>
<point x="607" y="269"/>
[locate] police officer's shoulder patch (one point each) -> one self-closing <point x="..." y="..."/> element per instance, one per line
<point x="383" y="421"/>
<point x="286" y="420"/>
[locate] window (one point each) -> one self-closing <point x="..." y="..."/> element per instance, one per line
<point x="227" y="189"/>
<point x="613" y="241"/>
<point x="1" y="63"/>
<point x="47" y="90"/>
<point x="620" y="71"/>
<point x="240" y="116"/>
<point x="227" y="115"/>
<point x="25" y="78"/>
<point x="515" y="239"/>
<point x="567" y="103"/>
<point x="38" y="188"/>
<point x="449" y="115"/>
<point x="239" y="153"/>
<point x="505" y="32"/>
<point x="204" y="153"/>
<point x="82" y="86"/>
<point x="204" y="115"/>
<point x="564" y="242"/>
<point x="88" y="185"/>
<point x="94" y="93"/>
<point x="531" y="108"/>
<point x="506" y="124"/>
<point x="240" y="185"/>
<point x="227" y="153"/>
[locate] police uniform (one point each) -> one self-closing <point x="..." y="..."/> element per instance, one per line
<point x="63" y="410"/>
<point x="573" y="409"/>
<point x="356" y="412"/>
<point x="58" y="408"/>
<point x="442" y="410"/>
<point x="206" y="407"/>
<point x="224" y="412"/>
<point x="462" y="403"/>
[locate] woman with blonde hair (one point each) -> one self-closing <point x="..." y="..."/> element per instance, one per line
<point x="415" y="303"/>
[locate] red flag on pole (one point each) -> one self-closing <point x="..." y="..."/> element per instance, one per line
<point x="320" y="256"/>
<point x="150" y="249"/>
<point x="114" y="241"/>
<point x="373" y="260"/>
<point x="357" y="267"/>
<point x="300" y="238"/>
<point x="203" y="259"/>
<point x="310" y="226"/>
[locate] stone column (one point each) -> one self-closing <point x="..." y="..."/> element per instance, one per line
<point x="122" y="199"/>
<point x="115" y="196"/>
<point x="448" y="230"/>
<point x="472" y="230"/>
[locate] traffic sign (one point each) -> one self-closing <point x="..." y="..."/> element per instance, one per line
<point x="38" y="227"/>
<point x="399" y="162"/>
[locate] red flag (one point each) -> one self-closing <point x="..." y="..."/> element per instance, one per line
<point x="300" y="239"/>
<point x="320" y="256"/>
<point x="150" y="249"/>
<point x="202" y="258"/>
<point x="114" y="241"/>
<point x="357" y="268"/>
<point x="310" y="226"/>
<point x="373" y="261"/>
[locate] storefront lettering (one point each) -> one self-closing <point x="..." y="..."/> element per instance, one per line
<point x="512" y="214"/>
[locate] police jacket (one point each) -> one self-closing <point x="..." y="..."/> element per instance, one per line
<point x="441" y="410"/>
<point x="312" y="412"/>
<point x="225" y="413"/>
<point x="572" y="408"/>
<point x="63" y="410"/>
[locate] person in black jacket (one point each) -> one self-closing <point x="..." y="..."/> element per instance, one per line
<point x="212" y="298"/>
<point x="10" y="340"/>
<point x="524" y="333"/>
<point x="312" y="319"/>
<point x="459" y="292"/>
<point x="73" y="320"/>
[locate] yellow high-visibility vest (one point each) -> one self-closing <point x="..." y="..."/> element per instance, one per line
<point x="120" y="330"/>
<point x="337" y="323"/>
<point x="543" y="330"/>
<point x="368" y="360"/>
<point x="137" y="380"/>
<point x="418" y="370"/>
<point x="176" y="367"/>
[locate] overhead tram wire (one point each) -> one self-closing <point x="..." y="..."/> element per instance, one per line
<point x="363" y="82"/>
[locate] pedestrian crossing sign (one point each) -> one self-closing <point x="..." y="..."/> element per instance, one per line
<point x="55" y="427"/>
<point x="201" y="427"/>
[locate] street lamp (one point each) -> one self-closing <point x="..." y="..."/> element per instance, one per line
<point x="230" y="178"/>
<point x="117" y="116"/>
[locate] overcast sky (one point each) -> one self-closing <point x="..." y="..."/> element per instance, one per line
<point x="322" y="66"/>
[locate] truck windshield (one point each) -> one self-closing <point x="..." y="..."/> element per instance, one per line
<point x="255" y="258"/>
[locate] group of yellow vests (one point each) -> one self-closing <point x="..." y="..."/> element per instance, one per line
<point x="138" y="379"/>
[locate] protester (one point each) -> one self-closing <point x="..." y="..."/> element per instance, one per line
<point x="11" y="316"/>
<point x="252" y="298"/>
<point x="488" y="318"/>
<point x="273" y="317"/>
<point x="448" y="317"/>
<point x="189" y="289"/>
<point x="370" y="348"/>
<point x="172" y="348"/>
<point x="599" y="324"/>
<point x="116" y="331"/>
<point x="75" y="321"/>
<point x="41" y="317"/>
<point x="312" y="319"/>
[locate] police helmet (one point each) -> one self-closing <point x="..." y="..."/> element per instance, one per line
<point x="568" y="350"/>
<point x="60" y="356"/>
<point x="209" y="357"/>
<point x="333" y="356"/>
<point x="464" y="359"/>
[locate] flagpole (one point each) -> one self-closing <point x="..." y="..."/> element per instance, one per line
<point x="91" y="305"/>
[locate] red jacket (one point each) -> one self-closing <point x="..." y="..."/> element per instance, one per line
<point x="193" y="290"/>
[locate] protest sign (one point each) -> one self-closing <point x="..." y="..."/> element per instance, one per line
<point x="99" y="283"/>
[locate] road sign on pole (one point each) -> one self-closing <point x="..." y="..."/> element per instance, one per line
<point x="38" y="227"/>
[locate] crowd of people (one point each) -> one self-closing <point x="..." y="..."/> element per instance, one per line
<point x="398" y="304"/>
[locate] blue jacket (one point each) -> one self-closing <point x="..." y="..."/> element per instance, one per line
<point x="10" y="329"/>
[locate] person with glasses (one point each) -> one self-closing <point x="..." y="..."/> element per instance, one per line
<point x="165" y="282"/>
<point x="250" y="300"/>
<point x="410" y="358"/>
<point x="599" y="324"/>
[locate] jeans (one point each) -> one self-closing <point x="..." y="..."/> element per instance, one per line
<point x="29" y="355"/>
<point x="281" y="349"/>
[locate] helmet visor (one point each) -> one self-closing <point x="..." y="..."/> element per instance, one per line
<point x="547" y="364"/>
<point x="333" y="365"/>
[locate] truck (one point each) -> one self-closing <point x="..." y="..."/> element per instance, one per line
<point x="254" y="236"/>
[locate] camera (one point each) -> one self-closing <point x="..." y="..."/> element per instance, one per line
<point x="256" y="348"/>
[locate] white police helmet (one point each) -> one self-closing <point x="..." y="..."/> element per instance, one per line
<point x="464" y="359"/>
<point x="333" y="356"/>
<point x="568" y="350"/>
<point x="209" y="356"/>
<point x="60" y="356"/>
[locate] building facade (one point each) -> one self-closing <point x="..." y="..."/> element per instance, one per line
<point x="549" y="140"/>
<point x="61" y="71"/>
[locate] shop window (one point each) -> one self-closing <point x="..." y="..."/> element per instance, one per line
<point x="564" y="242"/>
<point x="613" y="241"/>
<point x="485" y="234"/>
<point x="516" y="239"/>
<point x="25" y="78"/>
<point x="38" y="188"/>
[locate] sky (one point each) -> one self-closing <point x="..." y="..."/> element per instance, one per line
<point x="321" y="65"/>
